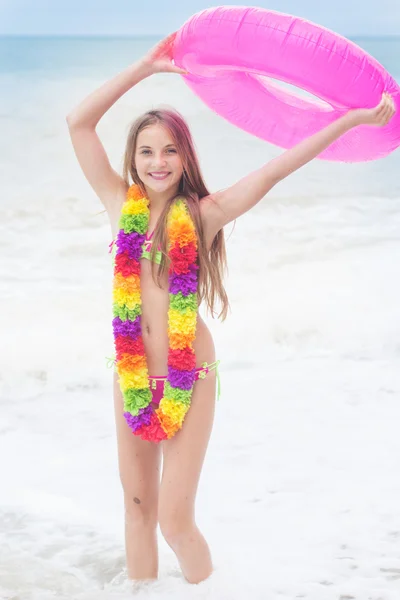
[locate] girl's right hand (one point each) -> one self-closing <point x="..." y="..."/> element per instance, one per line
<point x="378" y="116"/>
<point x="159" y="58"/>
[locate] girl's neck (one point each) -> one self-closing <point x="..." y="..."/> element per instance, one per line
<point x="158" y="200"/>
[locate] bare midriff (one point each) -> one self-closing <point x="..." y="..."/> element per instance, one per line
<point x="155" y="303"/>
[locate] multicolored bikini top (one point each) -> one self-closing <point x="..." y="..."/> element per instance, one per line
<point x="146" y="249"/>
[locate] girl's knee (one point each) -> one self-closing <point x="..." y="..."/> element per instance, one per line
<point x="140" y="512"/>
<point x="175" y="526"/>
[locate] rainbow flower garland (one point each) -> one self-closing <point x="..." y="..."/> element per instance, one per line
<point x="155" y="424"/>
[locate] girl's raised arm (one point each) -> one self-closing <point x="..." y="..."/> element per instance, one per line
<point x="82" y="121"/>
<point x="90" y="152"/>
<point x="230" y="203"/>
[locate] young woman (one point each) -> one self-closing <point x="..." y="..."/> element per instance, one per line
<point x="169" y="256"/>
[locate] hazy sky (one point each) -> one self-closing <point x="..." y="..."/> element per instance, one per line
<point x="130" y="17"/>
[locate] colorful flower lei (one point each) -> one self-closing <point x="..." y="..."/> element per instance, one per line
<point x="155" y="424"/>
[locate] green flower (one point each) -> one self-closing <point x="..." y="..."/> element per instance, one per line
<point x="183" y="303"/>
<point x="176" y="394"/>
<point x="125" y="313"/>
<point x="138" y="223"/>
<point x="134" y="400"/>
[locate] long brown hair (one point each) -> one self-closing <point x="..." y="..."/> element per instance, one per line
<point x="212" y="263"/>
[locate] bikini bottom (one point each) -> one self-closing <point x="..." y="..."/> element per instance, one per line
<point x="157" y="383"/>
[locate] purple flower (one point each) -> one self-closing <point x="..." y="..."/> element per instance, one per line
<point x="181" y="379"/>
<point x="131" y="328"/>
<point x="131" y="243"/>
<point x="143" y="418"/>
<point x="185" y="283"/>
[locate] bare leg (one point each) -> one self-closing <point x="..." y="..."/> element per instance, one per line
<point x="183" y="460"/>
<point x="139" y="468"/>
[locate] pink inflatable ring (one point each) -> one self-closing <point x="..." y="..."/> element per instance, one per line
<point x="232" y="52"/>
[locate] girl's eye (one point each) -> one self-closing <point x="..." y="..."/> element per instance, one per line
<point x="169" y="150"/>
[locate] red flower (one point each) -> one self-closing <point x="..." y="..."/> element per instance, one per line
<point x="125" y="265"/>
<point x="153" y="432"/>
<point x="125" y="345"/>
<point x="182" y="257"/>
<point x="184" y="360"/>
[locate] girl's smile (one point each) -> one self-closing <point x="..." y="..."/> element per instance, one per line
<point x="159" y="176"/>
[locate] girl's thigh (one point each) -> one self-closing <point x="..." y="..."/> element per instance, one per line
<point x="184" y="454"/>
<point x="139" y="464"/>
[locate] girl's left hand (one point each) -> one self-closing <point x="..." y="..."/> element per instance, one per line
<point x="160" y="58"/>
<point x="378" y="116"/>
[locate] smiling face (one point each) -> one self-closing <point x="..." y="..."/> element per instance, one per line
<point x="157" y="161"/>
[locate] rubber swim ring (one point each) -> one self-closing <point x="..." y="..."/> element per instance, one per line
<point x="232" y="53"/>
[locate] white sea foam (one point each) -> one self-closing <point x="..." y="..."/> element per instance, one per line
<point x="299" y="495"/>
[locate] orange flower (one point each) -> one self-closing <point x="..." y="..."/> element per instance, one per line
<point x="129" y="284"/>
<point x="169" y="425"/>
<point x="182" y="232"/>
<point x="132" y="362"/>
<point x="180" y="340"/>
<point x="134" y="193"/>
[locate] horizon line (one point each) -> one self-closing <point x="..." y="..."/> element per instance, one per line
<point x="158" y="35"/>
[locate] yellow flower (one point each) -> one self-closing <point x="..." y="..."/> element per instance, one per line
<point x="135" y="207"/>
<point x="129" y="284"/>
<point x="180" y="226"/>
<point x="182" y="323"/>
<point x="171" y="415"/>
<point x="138" y="379"/>
<point x="131" y="300"/>
<point x="126" y="290"/>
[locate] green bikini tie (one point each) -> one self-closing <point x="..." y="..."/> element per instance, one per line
<point x="214" y="365"/>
